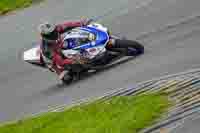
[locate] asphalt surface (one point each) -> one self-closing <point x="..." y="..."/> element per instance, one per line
<point x="25" y="89"/>
<point x="189" y="125"/>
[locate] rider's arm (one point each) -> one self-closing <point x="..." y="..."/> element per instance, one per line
<point x="71" y="24"/>
<point x="68" y="26"/>
<point x="59" y="61"/>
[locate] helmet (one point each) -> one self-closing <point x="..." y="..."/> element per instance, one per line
<point x="48" y="32"/>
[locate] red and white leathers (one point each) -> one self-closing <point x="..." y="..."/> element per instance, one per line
<point x="57" y="61"/>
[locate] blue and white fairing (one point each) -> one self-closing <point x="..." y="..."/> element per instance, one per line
<point x="91" y="39"/>
<point x="96" y="35"/>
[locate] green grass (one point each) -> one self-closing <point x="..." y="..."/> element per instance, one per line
<point x="125" y="114"/>
<point x="9" y="5"/>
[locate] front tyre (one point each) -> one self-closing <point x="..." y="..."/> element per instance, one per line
<point x="132" y="47"/>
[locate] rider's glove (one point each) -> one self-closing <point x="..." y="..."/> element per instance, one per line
<point x="86" y="21"/>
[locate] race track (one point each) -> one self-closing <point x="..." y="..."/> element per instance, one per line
<point x="25" y="89"/>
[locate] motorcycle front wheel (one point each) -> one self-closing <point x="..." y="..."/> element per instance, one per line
<point x="129" y="46"/>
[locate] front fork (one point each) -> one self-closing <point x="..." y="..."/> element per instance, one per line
<point x="114" y="47"/>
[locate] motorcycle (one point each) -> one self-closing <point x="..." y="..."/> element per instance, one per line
<point x="94" y="48"/>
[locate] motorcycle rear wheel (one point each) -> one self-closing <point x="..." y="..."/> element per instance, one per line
<point x="67" y="79"/>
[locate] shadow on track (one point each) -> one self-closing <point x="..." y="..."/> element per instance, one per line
<point x="60" y="87"/>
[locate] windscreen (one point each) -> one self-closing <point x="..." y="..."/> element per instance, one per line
<point x="76" y="37"/>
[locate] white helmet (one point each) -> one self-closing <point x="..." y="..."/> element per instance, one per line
<point x="48" y="31"/>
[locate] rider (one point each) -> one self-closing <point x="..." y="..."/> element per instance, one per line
<point x="52" y="44"/>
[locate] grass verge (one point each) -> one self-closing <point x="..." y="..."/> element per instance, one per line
<point x="121" y="114"/>
<point x="10" y="5"/>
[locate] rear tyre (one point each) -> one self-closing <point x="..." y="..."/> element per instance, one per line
<point x="132" y="46"/>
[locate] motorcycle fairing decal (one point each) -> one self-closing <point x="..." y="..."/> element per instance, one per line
<point x="70" y="53"/>
<point x="98" y="26"/>
<point x="71" y="43"/>
<point x="94" y="51"/>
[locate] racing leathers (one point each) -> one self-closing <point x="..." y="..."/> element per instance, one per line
<point x="53" y="53"/>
